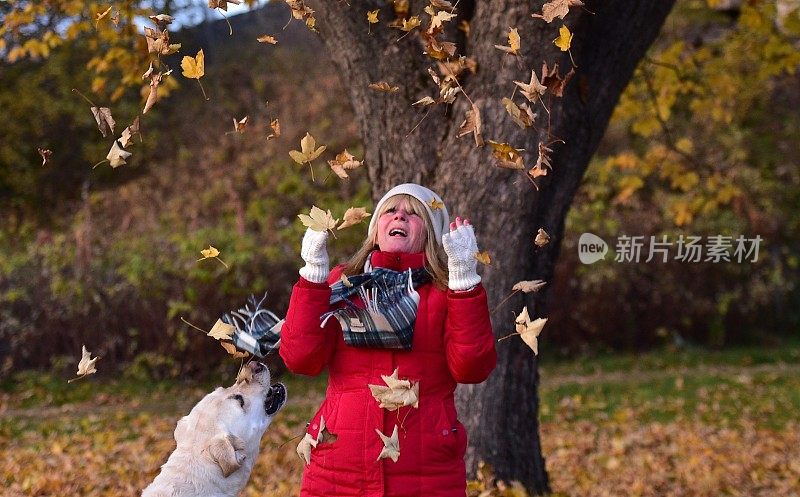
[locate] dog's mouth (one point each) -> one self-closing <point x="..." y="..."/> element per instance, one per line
<point x="275" y="399"/>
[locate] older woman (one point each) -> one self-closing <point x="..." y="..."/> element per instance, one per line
<point x="412" y="320"/>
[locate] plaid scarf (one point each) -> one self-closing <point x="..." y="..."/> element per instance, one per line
<point x="257" y="330"/>
<point x="390" y="308"/>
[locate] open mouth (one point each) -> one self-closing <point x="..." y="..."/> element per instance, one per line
<point x="397" y="232"/>
<point x="276" y="398"/>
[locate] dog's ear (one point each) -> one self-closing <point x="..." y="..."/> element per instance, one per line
<point x="228" y="452"/>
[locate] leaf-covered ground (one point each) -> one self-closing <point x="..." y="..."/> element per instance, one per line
<point x="692" y="424"/>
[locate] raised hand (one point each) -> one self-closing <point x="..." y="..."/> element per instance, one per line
<point x="461" y="246"/>
<point x="314" y="252"/>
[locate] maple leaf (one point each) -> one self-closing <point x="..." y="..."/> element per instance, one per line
<point x="240" y="125"/>
<point x="221" y="330"/>
<point x="372" y="16"/>
<point x="506" y="156"/>
<point x="384" y="87"/>
<point x="194" y="67"/>
<point x="472" y="124"/>
<point x="534" y="90"/>
<point x="397" y="393"/>
<point x="116" y="156"/>
<point x="318" y="220"/>
<point x="233" y="351"/>
<point x="513" y="42"/>
<point x="435" y="204"/>
<point x="304" y="448"/>
<point x="85" y="365"/>
<point x="276" y="129"/>
<point x="410" y="23"/>
<point x="529" y="330"/>
<point x="210" y="253"/>
<point x="391" y="445"/>
<point x="267" y="39"/>
<point x="555" y="84"/>
<point x="542" y="238"/>
<point x="521" y="115"/>
<point x="302" y="12"/>
<point x="353" y="216"/>
<point x="437" y="49"/>
<point x="556" y="8"/>
<point x="483" y="257"/>
<point x="158" y="42"/>
<point x="129" y="132"/>
<point x="528" y="286"/>
<point x="308" y="150"/>
<point x="45" y="153"/>
<point x="439" y="18"/>
<point x="343" y="162"/>
<point x="564" y="39"/>
<point x="105" y="123"/>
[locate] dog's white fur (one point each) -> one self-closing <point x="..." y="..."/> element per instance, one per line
<point x="218" y="442"/>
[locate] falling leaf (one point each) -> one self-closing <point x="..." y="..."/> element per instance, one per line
<point x="318" y="220"/>
<point x="442" y="4"/>
<point x="513" y="42"/>
<point x="522" y="115"/>
<point x="564" y="39"/>
<point x="152" y="97"/>
<point x="534" y="90"/>
<point x="105" y="123"/>
<point x="391" y="445"/>
<point x="161" y="18"/>
<point x="506" y="156"/>
<point x="194" y="67"/>
<point x="440" y="18"/>
<point x="210" y="253"/>
<point x="435" y="204"/>
<point x="544" y="159"/>
<point x="45" y="153"/>
<point x="410" y="23"/>
<point x="221" y="330"/>
<point x="100" y="16"/>
<point x="276" y="129"/>
<point x="116" y="156"/>
<point x="556" y="8"/>
<point x="222" y="4"/>
<point x="267" y="39"/>
<point x="308" y="150"/>
<point x="344" y="162"/>
<point x="115" y="18"/>
<point x="483" y="257"/>
<point x="233" y="351"/>
<point x="542" y="238"/>
<point x="353" y="216"/>
<point x="528" y="286"/>
<point x="555" y="83"/>
<point x="397" y="393"/>
<point x="304" y="448"/>
<point x="85" y="365"/>
<point x="384" y="87"/>
<point x="372" y="16"/>
<point x="425" y="101"/>
<point x="240" y="125"/>
<point x="148" y="72"/>
<point x="302" y="12"/>
<point x="129" y="132"/>
<point x="158" y="42"/>
<point x="472" y="124"/>
<point x="529" y="330"/>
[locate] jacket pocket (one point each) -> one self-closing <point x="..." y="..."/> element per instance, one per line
<point x="445" y="438"/>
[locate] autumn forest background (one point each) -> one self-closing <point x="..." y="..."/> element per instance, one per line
<point x="656" y="378"/>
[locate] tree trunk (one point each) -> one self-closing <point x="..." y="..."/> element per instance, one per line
<point x="502" y="413"/>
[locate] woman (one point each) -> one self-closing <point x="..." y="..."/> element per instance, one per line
<point x="447" y="340"/>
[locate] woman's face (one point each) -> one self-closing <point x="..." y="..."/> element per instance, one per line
<point x="400" y="230"/>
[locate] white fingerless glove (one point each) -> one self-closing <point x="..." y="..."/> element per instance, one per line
<point x="461" y="246"/>
<point x="315" y="254"/>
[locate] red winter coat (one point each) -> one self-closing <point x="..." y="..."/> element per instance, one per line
<point x="453" y="343"/>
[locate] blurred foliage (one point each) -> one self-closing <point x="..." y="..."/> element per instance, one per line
<point x="703" y="142"/>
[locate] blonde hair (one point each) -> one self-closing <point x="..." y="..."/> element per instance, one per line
<point x="435" y="259"/>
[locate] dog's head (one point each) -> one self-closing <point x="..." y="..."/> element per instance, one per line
<point x="229" y="422"/>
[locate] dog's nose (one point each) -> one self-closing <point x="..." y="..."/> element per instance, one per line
<point x="257" y="367"/>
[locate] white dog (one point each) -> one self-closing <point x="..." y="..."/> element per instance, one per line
<point x="218" y="442"/>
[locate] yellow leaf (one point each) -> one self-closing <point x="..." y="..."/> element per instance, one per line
<point x="343" y="162"/>
<point x="483" y="257"/>
<point x="410" y="23"/>
<point x="564" y="39"/>
<point x="209" y="252"/>
<point x="308" y="150"/>
<point x="221" y="330"/>
<point x="513" y="42"/>
<point x="353" y="216"/>
<point x="318" y="220"/>
<point x="267" y="39"/>
<point x="384" y="87"/>
<point x="194" y="68"/>
<point x="435" y="204"/>
<point x="506" y="156"/>
<point x="372" y="16"/>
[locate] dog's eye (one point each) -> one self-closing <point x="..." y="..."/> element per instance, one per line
<point x="239" y="398"/>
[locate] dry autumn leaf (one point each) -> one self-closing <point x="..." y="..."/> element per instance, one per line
<point x="301" y="12"/>
<point x="101" y="15"/>
<point x="276" y="129"/>
<point x="195" y="68"/>
<point x="528" y="286"/>
<point x="521" y="115"/>
<point x="211" y="253"/>
<point x="116" y="156"/>
<point x="553" y="81"/>
<point x="308" y="152"/>
<point x="435" y="204"/>
<point x="318" y="220"/>
<point x="233" y="351"/>
<point x="542" y="238"/>
<point x="345" y="281"/>
<point x="105" y="123"/>
<point x="344" y="162"/>
<point x="513" y="42"/>
<point x="222" y="4"/>
<point x="353" y="216"/>
<point x="529" y="330"/>
<point x="483" y="257"/>
<point x="425" y="101"/>
<point x="410" y="23"/>
<point x="221" y="330"/>
<point x="267" y="39"/>
<point x="158" y="42"/>
<point x="439" y="18"/>
<point x="384" y="87"/>
<point x="129" y="132"/>
<point x="472" y="124"/>
<point x="152" y="97"/>
<point x="161" y="19"/>
<point x="564" y="40"/>
<point x="240" y="125"/>
<point x="372" y="16"/>
<point x="45" y="153"/>
<point x="534" y="90"/>
<point x="391" y="445"/>
<point x="325" y="436"/>
<point x="397" y="393"/>
<point x="557" y="8"/>
<point x="506" y="156"/>
<point x="85" y="365"/>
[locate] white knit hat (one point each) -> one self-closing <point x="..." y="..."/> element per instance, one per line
<point x="440" y="219"/>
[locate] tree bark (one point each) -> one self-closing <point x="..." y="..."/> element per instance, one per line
<point x="501" y="414"/>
